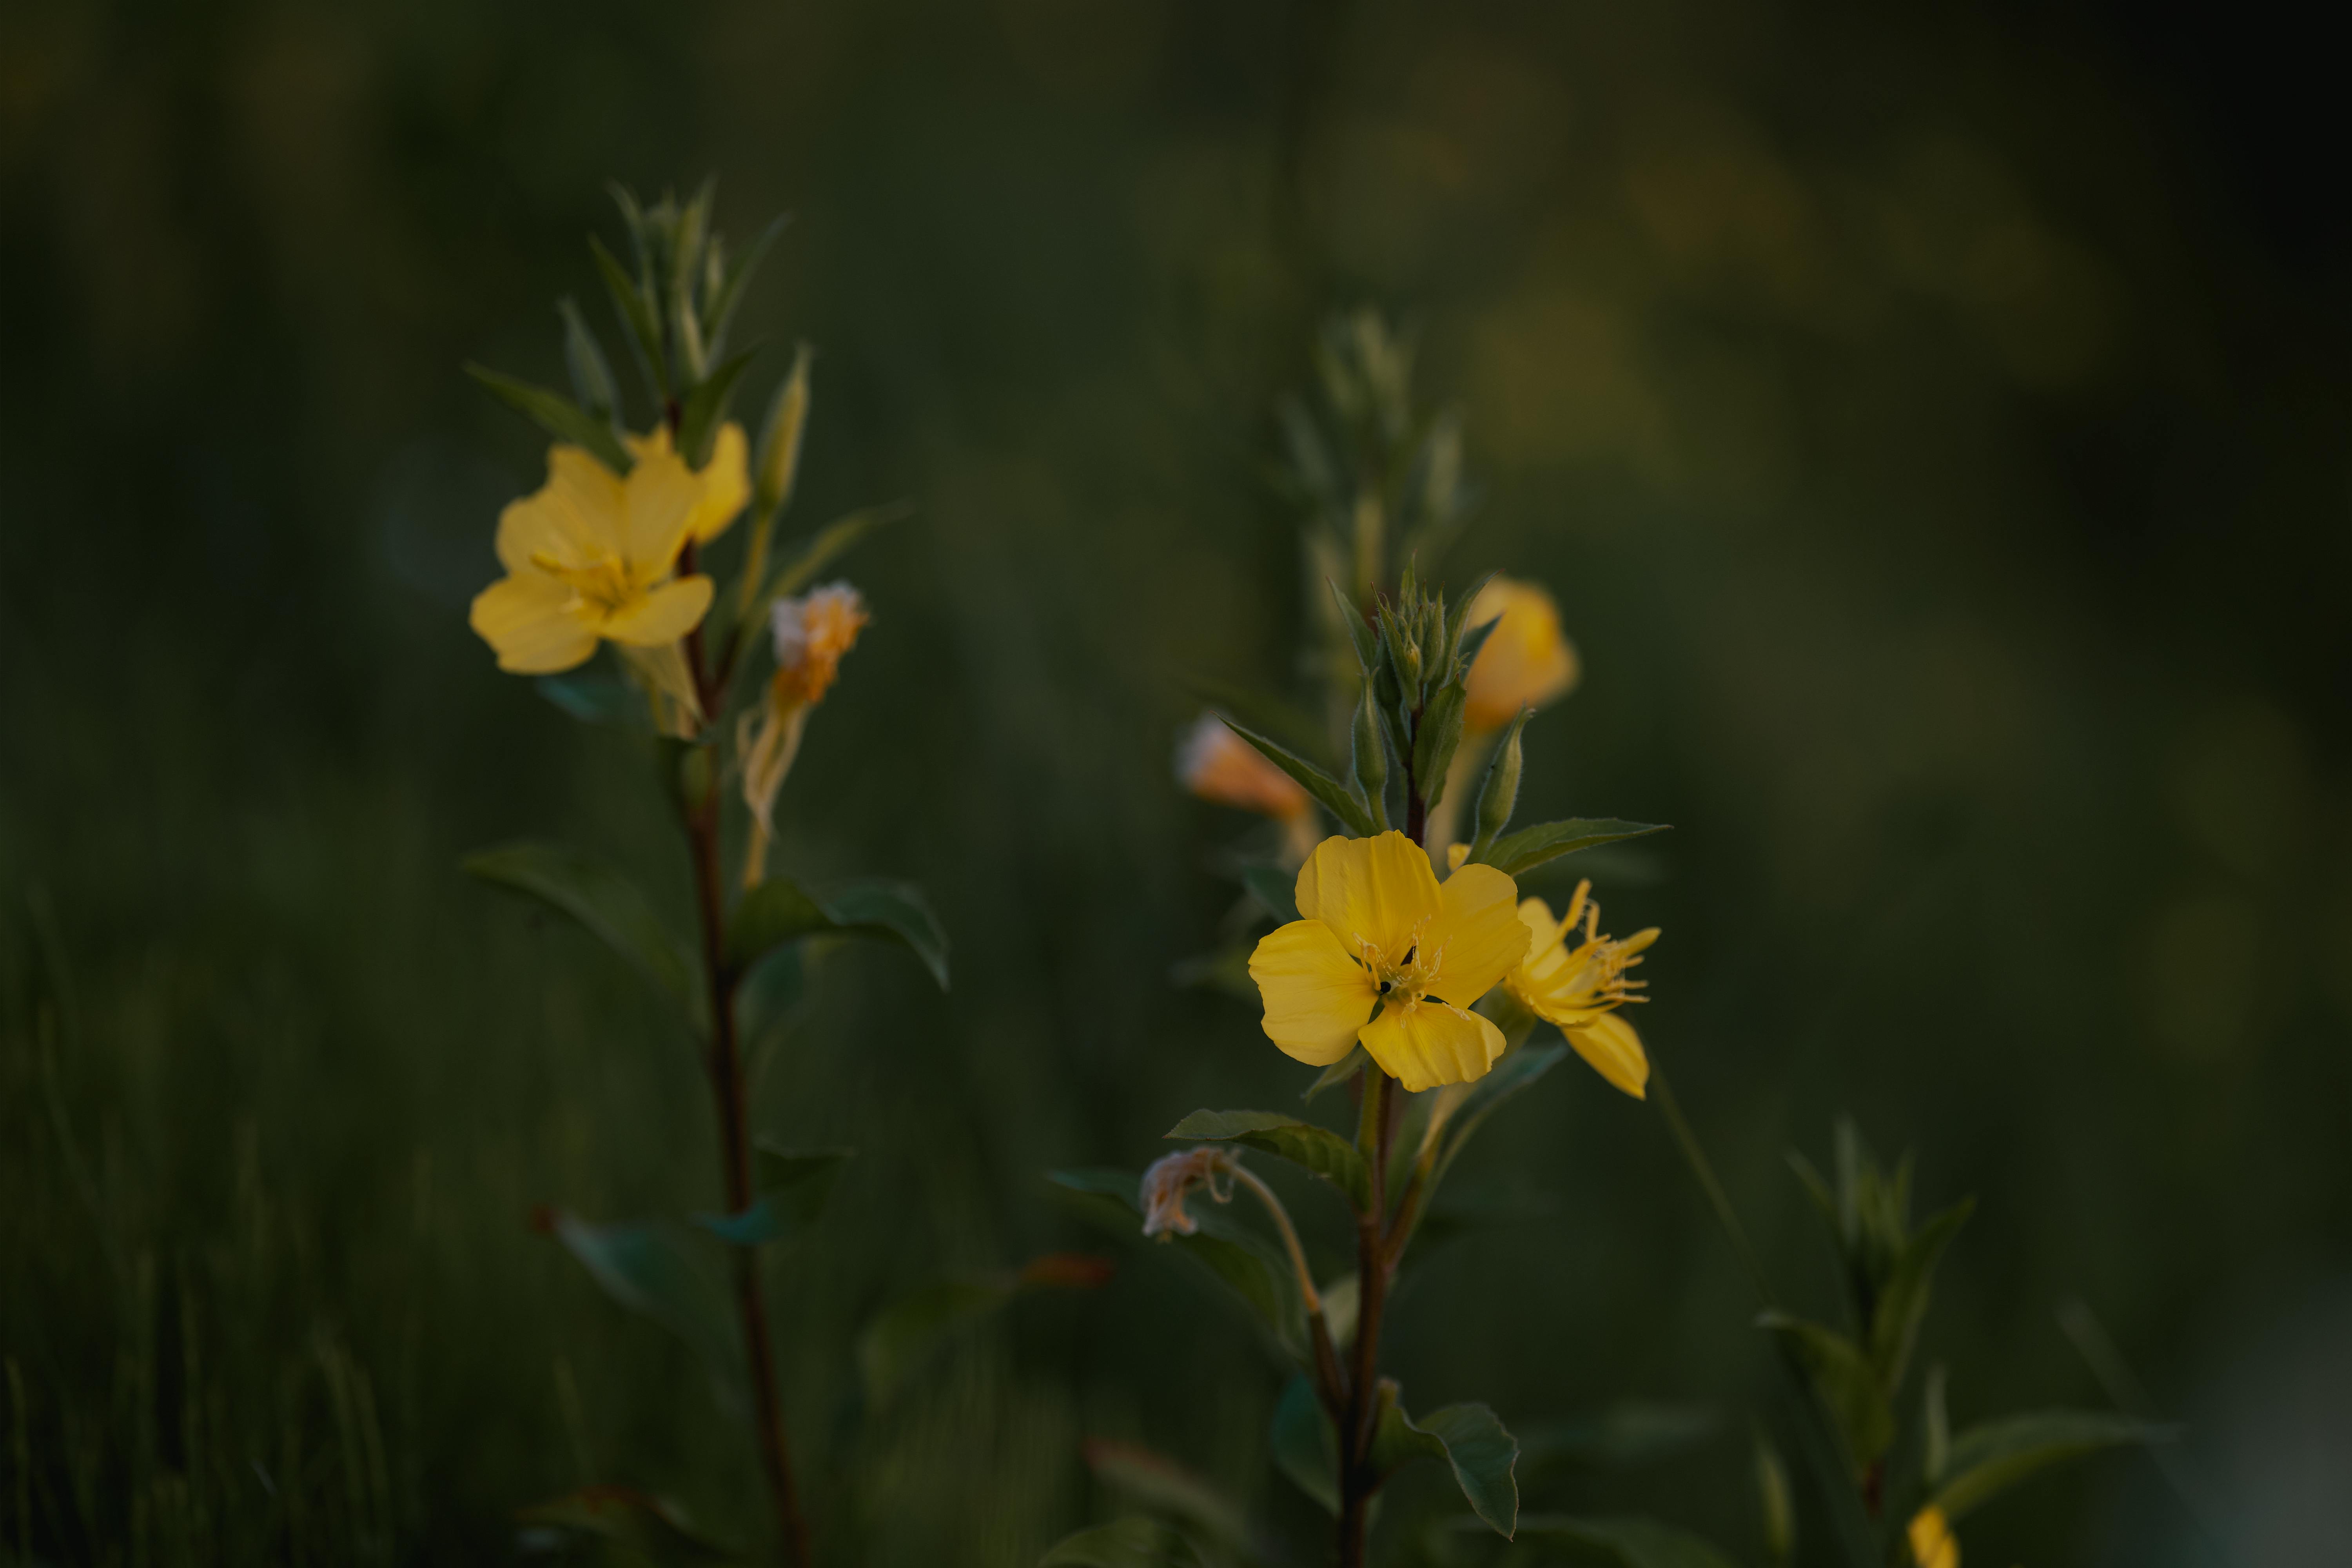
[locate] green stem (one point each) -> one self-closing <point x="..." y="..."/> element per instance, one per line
<point x="1717" y="1199"/>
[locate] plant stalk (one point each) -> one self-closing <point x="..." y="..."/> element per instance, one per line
<point x="729" y="1089"/>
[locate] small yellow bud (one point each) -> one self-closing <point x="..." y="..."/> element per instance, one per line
<point x="1528" y="660"/>
<point x="1220" y="766"/>
<point x="1932" y="1545"/>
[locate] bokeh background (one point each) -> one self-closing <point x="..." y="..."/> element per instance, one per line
<point x="1932" y="424"/>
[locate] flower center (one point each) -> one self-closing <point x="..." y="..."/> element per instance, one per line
<point x="1403" y="981"/>
<point x="603" y="584"/>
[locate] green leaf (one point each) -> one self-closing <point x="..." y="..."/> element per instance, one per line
<point x="1350" y="813"/>
<point x="824" y="546"/>
<point x="1634" y="1542"/>
<point x="557" y="415"/>
<point x="652" y="1529"/>
<point x="1468" y="1438"/>
<point x="1435" y="739"/>
<point x="1844" y="1379"/>
<point x="1244" y="1261"/>
<point x="1339" y="1072"/>
<point x="792" y="1191"/>
<point x="906" y="1333"/>
<point x="1514" y="1072"/>
<point x="646" y="1267"/>
<point x="1156" y="1482"/>
<point x="597" y="697"/>
<point x="705" y="410"/>
<point x="1124" y="1543"/>
<point x="1518" y="853"/>
<point x="718" y="309"/>
<point x="591" y="377"/>
<point x="635" y="308"/>
<point x="1775" y="1504"/>
<point x="1275" y="888"/>
<point x="1318" y="1149"/>
<point x="1935" y="1428"/>
<point x="780" y="910"/>
<point x="1304" y="1447"/>
<point x="1903" y="1297"/>
<point x="1993" y="1456"/>
<point x="605" y="901"/>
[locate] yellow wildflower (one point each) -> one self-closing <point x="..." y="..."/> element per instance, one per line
<point x="1388" y="957"/>
<point x="593" y="555"/>
<point x="1581" y="988"/>
<point x="812" y="633"/>
<point x="1932" y="1545"/>
<point x="726" y="479"/>
<point x="1528" y="660"/>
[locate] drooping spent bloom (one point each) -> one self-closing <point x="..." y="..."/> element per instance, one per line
<point x="1580" y="988"/>
<point x="1220" y="766"/>
<point x="811" y="635"/>
<point x="1527" y="661"/>
<point x="591" y="555"/>
<point x="1932" y="1545"/>
<point x="1172" y="1178"/>
<point x="726" y="479"/>
<point x="1388" y="957"/>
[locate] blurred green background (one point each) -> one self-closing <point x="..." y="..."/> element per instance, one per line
<point x="1931" y="423"/>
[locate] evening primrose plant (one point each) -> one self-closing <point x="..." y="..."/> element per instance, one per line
<point x="644" y="588"/>
<point x="1407" y="964"/>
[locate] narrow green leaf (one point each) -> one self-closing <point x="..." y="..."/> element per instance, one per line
<point x="639" y="321"/>
<point x="1275" y="888"/>
<point x="1360" y="634"/>
<point x="779" y="910"/>
<point x="792" y="1189"/>
<point x="1469" y="1437"/>
<point x="1437" y="738"/>
<point x="1519" y="853"/>
<point x="557" y="415"/>
<point x="1935" y="1428"/>
<point x="1776" y="1504"/>
<point x="1303" y="1143"/>
<point x="718" y="311"/>
<point x="646" y="1267"/>
<point x="1339" y="1072"/>
<point x="1305" y="1447"/>
<point x="596" y="697"/>
<point x="1514" y="1072"/>
<point x="823" y="547"/>
<point x="1845" y="1381"/>
<point x="1627" y="1432"/>
<point x="1124" y="1543"/>
<point x="1903" y="1297"/>
<point x="1993" y="1456"/>
<point x="1350" y="813"/>
<point x="705" y="410"/>
<point x="592" y="377"/>
<point x="1633" y="1542"/>
<point x="650" y="1528"/>
<point x="607" y="903"/>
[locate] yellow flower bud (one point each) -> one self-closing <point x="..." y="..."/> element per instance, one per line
<point x="1528" y="660"/>
<point x="1932" y="1545"/>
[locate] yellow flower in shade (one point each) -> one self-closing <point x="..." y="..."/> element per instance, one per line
<point x="1388" y="957"/>
<point x="1528" y="660"/>
<point x="1932" y="1545"/>
<point x="726" y="479"/>
<point x="593" y="555"/>
<point x="812" y="634"/>
<point x="1220" y="766"/>
<point x="1580" y="988"/>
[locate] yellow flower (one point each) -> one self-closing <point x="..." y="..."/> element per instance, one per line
<point x="812" y="634"/>
<point x="1220" y="766"/>
<point x="591" y="555"/>
<point x="1528" y="660"/>
<point x="1580" y="988"/>
<point x="1932" y="1545"/>
<point x="726" y="479"/>
<point x="1388" y="957"/>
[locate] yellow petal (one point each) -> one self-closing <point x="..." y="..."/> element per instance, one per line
<point x="1477" y="935"/>
<point x="726" y="484"/>
<point x="1527" y="660"/>
<point x="664" y="616"/>
<point x="1424" y="1043"/>
<point x="573" y="519"/>
<point x="1376" y="890"/>
<point x="531" y="620"/>
<point x="1317" y="997"/>
<point x="658" y="508"/>
<point x="1614" y="1051"/>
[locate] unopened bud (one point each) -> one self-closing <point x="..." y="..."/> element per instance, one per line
<point x="1370" y="757"/>
<point x="1499" y="795"/>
